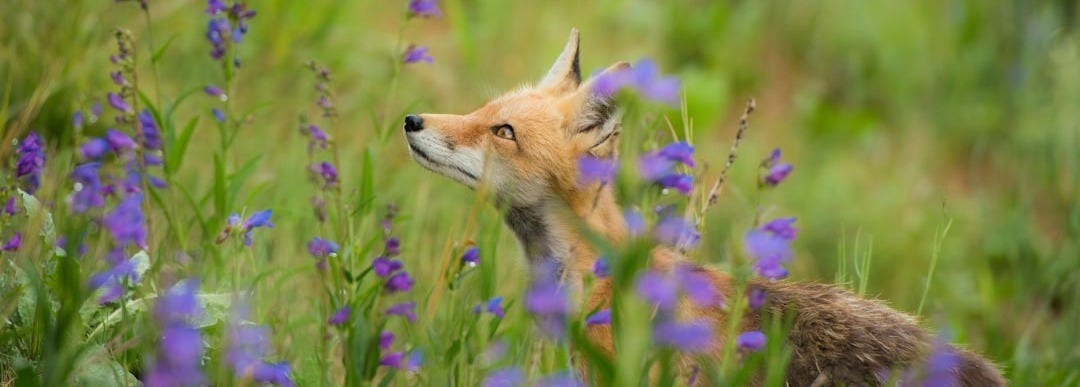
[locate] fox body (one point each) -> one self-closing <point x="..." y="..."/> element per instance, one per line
<point x="524" y="146"/>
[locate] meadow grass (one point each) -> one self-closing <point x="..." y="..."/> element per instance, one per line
<point x="934" y="144"/>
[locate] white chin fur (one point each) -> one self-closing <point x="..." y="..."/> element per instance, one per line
<point x="463" y="165"/>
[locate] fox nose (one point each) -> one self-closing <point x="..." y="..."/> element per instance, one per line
<point x="413" y="123"/>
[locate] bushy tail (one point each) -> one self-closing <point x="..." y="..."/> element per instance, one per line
<point x="974" y="370"/>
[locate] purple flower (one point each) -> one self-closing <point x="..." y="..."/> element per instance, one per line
<point x="399" y="282"/>
<point x="180" y="304"/>
<point x="214" y="91"/>
<point x="318" y="137"/>
<point x="680" y="151"/>
<point x="547" y="301"/>
<point x="214" y="6"/>
<point x="602" y="317"/>
<point x="939" y="370"/>
<point x="471" y="256"/>
<point x="256" y="220"/>
<point x="756" y="297"/>
<point x="424" y="8"/>
<point x="686" y="337"/>
<point x="31" y="160"/>
<point x="676" y="231"/>
<point x="392" y="359"/>
<point x="494" y="306"/>
<point x="118" y="78"/>
<point x="77" y="120"/>
<point x="383" y="267"/>
<point x="415" y="54"/>
<point x="776" y="171"/>
<point x="658" y="290"/>
<point x="151" y="135"/>
<point x="392" y="247"/>
<point x="653" y="166"/>
<point x="13" y="243"/>
<point x="217" y="32"/>
<point x="89" y="192"/>
<point x="680" y="182"/>
<point x="113" y="279"/>
<point x="321" y="248"/>
<point x="327" y="172"/>
<point x="508" y="377"/>
<point x="404" y="309"/>
<point x="698" y="287"/>
<point x="781" y="228"/>
<point x="118" y="103"/>
<point x="324" y="102"/>
<point x="340" y="317"/>
<point x="386" y="339"/>
<point x="643" y="77"/>
<point x="118" y="140"/>
<point x="750" y="341"/>
<point x="608" y="83"/>
<point x="93" y="148"/>
<point x="219" y="115"/>
<point x="635" y="223"/>
<point x="9" y="206"/>
<point x="592" y="169"/>
<point x="414" y="361"/>
<point x="247" y="346"/>
<point x="126" y="222"/>
<point x="769" y="250"/>
<point x="601" y="268"/>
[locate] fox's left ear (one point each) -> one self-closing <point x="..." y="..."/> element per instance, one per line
<point x="597" y="121"/>
<point x="565" y="74"/>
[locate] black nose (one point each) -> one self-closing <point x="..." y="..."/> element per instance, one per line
<point x="413" y="123"/>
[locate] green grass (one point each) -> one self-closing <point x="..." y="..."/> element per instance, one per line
<point x="905" y="121"/>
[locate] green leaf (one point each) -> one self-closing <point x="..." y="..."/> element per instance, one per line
<point x="33" y="208"/>
<point x="97" y="368"/>
<point x="161" y="50"/>
<point x="219" y="187"/>
<point x="236" y="181"/>
<point x="174" y="155"/>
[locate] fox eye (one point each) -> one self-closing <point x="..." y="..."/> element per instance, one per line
<point x="504" y="131"/>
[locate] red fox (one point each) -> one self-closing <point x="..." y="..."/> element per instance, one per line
<point x="524" y="146"/>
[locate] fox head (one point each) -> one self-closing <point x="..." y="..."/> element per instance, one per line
<point x="525" y="144"/>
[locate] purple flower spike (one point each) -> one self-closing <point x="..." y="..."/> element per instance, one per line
<point x="509" y="377"/>
<point x="699" y="287"/>
<point x="781" y="227"/>
<point x="118" y="78"/>
<point x="383" y="267"/>
<point x="602" y="317"/>
<point x="601" y="268"/>
<point x="676" y="231"/>
<point x="776" y="171"/>
<point x="686" y="337"/>
<point x="340" y="317"/>
<point x="680" y="151"/>
<point x="9" y="206"/>
<point x="415" y="54"/>
<point x="680" y="182"/>
<point x="93" y="148"/>
<point x="118" y="140"/>
<point x="393" y="247"/>
<point x="751" y="341"/>
<point x="321" y="248"/>
<point x="424" y="8"/>
<point x="89" y="193"/>
<point x="214" y="6"/>
<point x="471" y="256"/>
<point x="318" y="137"/>
<point x="399" y="282"/>
<point x="326" y="172"/>
<point x="592" y="170"/>
<point x="404" y="309"/>
<point x="547" y="301"/>
<point x="30" y="162"/>
<point x="659" y="290"/>
<point x="654" y="166"/>
<point x="126" y="222"/>
<point x="118" y="103"/>
<point x="13" y="243"/>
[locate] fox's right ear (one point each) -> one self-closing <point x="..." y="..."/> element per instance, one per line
<point x="597" y="120"/>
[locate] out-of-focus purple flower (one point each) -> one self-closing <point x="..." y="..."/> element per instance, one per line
<point x="415" y="54"/>
<point x="687" y="337"/>
<point x="770" y="247"/>
<point x="93" y="148"/>
<point x="214" y="6"/>
<point x="152" y="160"/>
<point x="387" y="222"/>
<point x="940" y="367"/>
<point x="321" y="248"/>
<point x="95" y="112"/>
<point x="340" y="317"/>
<point x="9" y="206"/>
<point x="118" y="140"/>
<point x="610" y="82"/>
<point x="126" y="222"/>
<point x="118" y="78"/>
<point x="404" y="309"/>
<point x="601" y="268"/>
<point x="77" y="120"/>
<point x="562" y="379"/>
<point x="781" y="227"/>
<point x="676" y="231"/>
<point x="508" y="377"/>
<point x="217" y="32"/>
<point x="592" y="170"/>
<point x="635" y="223"/>
<point x="471" y="256"/>
<point x="113" y="280"/>
<point x="680" y="182"/>
<point x="658" y="289"/>
<point x="13" y="243"/>
<point x="30" y="162"/>
<point x="326" y="172"/>
<point x="118" y="103"/>
<point x="392" y="247"/>
<point x="547" y="301"/>
<point x="256" y="220"/>
<point x="414" y="361"/>
<point x="88" y="192"/>
<point x="247" y="346"/>
<point x="653" y="166"/>
<point x="151" y="135"/>
<point x="318" y="137"/>
<point x="219" y="115"/>
<point x="156" y="182"/>
<point x="214" y="91"/>
<point x="644" y="77"/>
<point x="750" y="341"/>
<point x="755" y="297"/>
<point x="698" y="287"/>
<point x="602" y="317"/>
<point x="775" y="171"/>
<point x="680" y="151"/>
<point x="324" y="102"/>
<point x="178" y="358"/>
<point x="392" y="359"/>
<point x="494" y="306"/>
<point x="383" y="267"/>
<point x="386" y="339"/>
<point x="400" y="282"/>
<point x="424" y="8"/>
<point x="179" y="304"/>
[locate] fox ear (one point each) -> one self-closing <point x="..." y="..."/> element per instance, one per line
<point x="597" y="122"/>
<point x="565" y="74"/>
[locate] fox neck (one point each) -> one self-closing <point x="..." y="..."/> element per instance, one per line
<point x="551" y="230"/>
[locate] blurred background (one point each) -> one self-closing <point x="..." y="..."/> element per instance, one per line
<point x="898" y="116"/>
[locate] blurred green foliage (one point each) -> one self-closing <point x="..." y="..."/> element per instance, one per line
<point x="898" y="116"/>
